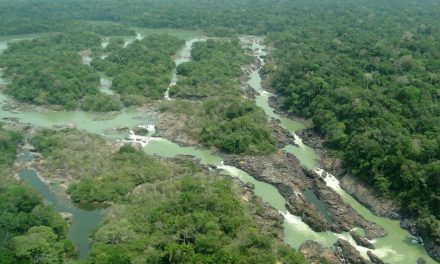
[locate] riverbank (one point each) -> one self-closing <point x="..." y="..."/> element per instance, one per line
<point x="362" y="192"/>
<point x="306" y="194"/>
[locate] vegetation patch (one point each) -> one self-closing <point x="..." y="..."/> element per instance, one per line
<point x="31" y="232"/>
<point x="215" y="70"/>
<point x="48" y="70"/>
<point x="377" y="105"/>
<point x="142" y="69"/>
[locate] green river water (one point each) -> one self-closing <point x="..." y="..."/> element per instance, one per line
<point x="397" y="247"/>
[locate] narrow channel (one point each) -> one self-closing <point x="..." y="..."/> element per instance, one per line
<point x="397" y="247"/>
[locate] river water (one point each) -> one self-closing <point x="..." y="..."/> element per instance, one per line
<point x="84" y="218"/>
<point x="397" y="247"/>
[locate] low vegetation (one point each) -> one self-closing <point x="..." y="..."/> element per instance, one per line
<point x="165" y="211"/>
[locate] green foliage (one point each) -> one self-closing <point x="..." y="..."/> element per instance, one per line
<point x="142" y="69"/>
<point x="165" y="211"/>
<point x="8" y="148"/>
<point x="189" y="220"/>
<point x="214" y="70"/>
<point x="235" y="125"/>
<point x="31" y="231"/>
<point x="39" y="245"/>
<point x="373" y="95"/>
<point x="108" y="29"/>
<point x="101" y="103"/>
<point x="100" y="175"/>
<point x="46" y="141"/>
<point x="48" y="70"/>
<point x="127" y="168"/>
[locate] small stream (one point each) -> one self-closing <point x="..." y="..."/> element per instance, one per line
<point x="184" y="55"/>
<point x="84" y="217"/>
<point x="397" y="247"/>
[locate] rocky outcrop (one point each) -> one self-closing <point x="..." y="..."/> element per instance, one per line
<point x="280" y="169"/>
<point x="297" y="205"/>
<point x="374" y="259"/>
<point x="426" y="239"/>
<point x="368" y="197"/>
<point x="380" y="206"/>
<point x="172" y="127"/>
<point x="316" y="254"/>
<point x="250" y="92"/>
<point x="283" y="136"/>
<point x="269" y="218"/>
<point x="348" y="254"/>
<point x="284" y="171"/>
<point x="361" y="241"/>
<point x="344" y="216"/>
<point x="421" y="261"/>
<point x="431" y="246"/>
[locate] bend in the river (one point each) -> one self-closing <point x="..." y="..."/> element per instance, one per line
<point x="396" y="247"/>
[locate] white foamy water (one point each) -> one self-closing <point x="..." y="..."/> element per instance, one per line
<point x="142" y="140"/>
<point x="129" y="41"/>
<point x="105" y="43"/>
<point x="331" y="181"/>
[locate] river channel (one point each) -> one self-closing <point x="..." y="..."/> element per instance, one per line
<point x="397" y="247"/>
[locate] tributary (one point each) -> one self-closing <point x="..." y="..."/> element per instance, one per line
<point x="397" y="247"/>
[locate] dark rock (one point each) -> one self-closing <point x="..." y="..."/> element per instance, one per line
<point x="348" y="254"/>
<point x="421" y="261"/>
<point x="374" y="259"/>
<point x="249" y="185"/>
<point x="140" y="131"/>
<point x="343" y="215"/>
<point x="283" y="136"/>
<point x="394" y="215"/>
<point x="368" y="197"/>
<point x="409" y="225"/>
<point x="171" y="126"/>
<point x="315" y="253"/>
<point x="297" y="205"/>
<point x="361" y="241"/>
<point x="284" y="171"/>
<point x="250" y="92"/>
<point x="432" y="245"/>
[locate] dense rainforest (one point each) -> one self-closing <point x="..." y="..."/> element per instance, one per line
<point x="48" y="70"/>
<point x="375" y="97"/>
<point x="142" y="69"/>
<point x="365" y="72"/>
<point x="214" y="70"/>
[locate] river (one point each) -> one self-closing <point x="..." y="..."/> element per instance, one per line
<point x="396" y="247"/>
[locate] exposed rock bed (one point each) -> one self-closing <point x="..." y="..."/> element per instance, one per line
<point x="361" y="241"/>
<point x="344" y="216"/>
<point x="374" y="259"/>
<point x="284" y="171"/>
<point x="315" y="253"/>
<point x="269" y="218"/>
<point x="348" y="254"/>
<point x="283" y="136"/>
<point x="172" y="127"/>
